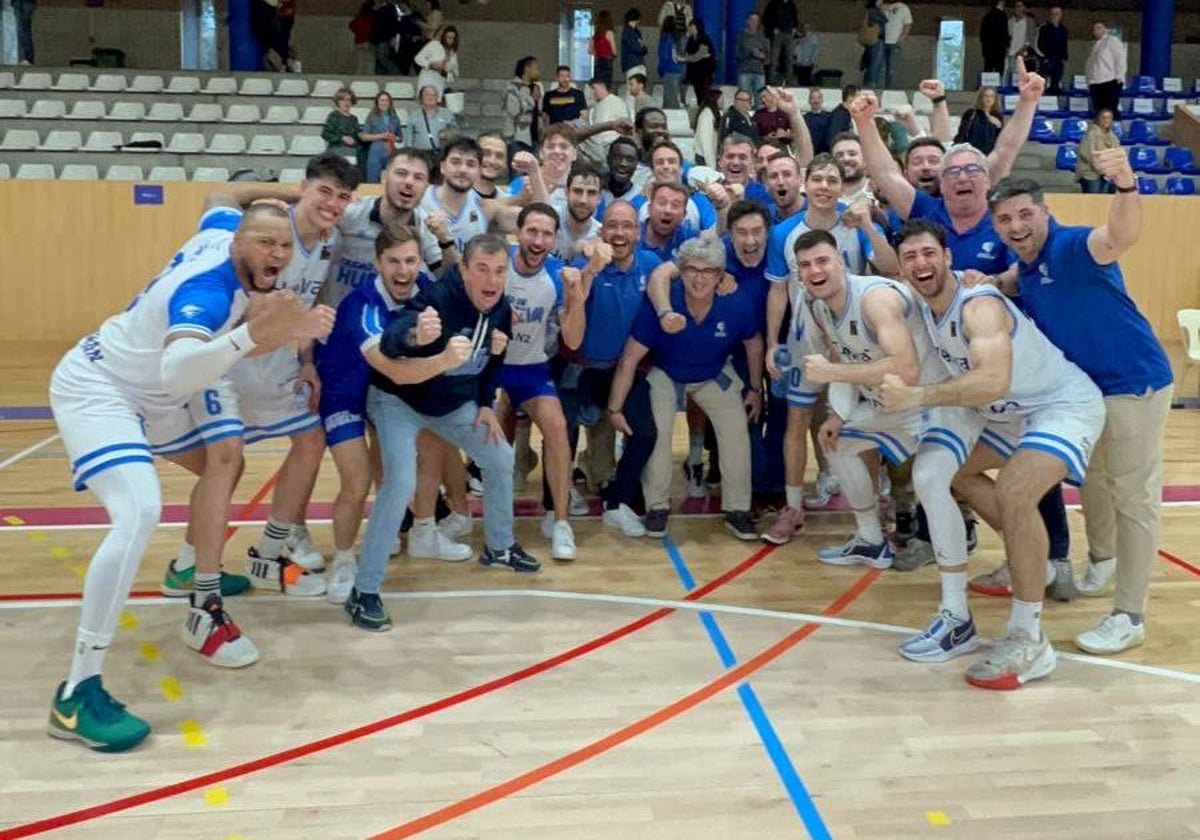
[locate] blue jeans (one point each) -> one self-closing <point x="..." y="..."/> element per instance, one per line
<point x="1096" y="186"/>
<point x="672" y="97"/>
<point x="397" y="426"/>
<point x="891" y="57"/>
<point x="873" y="66"/>
<point x="23" y="11"/>
<point x="753" y="82"/>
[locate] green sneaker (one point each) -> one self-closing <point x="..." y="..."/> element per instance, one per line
<point x="90" y="715"/>
<point x="177" y="584"/>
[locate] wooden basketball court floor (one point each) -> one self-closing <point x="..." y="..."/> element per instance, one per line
<point x="694" y="688"/>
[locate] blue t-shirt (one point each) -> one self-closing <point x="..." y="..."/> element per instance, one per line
<point x="979" y="248"/>
<point x="611" y="307"/>
<point x="666" y="252"/>
<point x="753" y="287"/>
<point x="700" y="350"/>
<point x="1083" y="308"/>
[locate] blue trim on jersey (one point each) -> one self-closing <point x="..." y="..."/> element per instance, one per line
<point x="302" y="423"/>
<point x="955" y="446"/>
<point x="802" y="399"/>
<point x="81" y="481"/>
<point x="104" y="450"/>
<point x="220" y="218"/>
<point x="996" y="443"/>
<point x="948" y="435"/>
<point x="882" y="442"/>
<point x="1074" y="476"/>
<point x="204" y="301"/>
<point x="1079" y="463"/>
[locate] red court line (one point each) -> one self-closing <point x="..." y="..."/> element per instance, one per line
<point x="639" y="727"/>
<point x="219" y="776"/>
<point x="1181" y="563"/>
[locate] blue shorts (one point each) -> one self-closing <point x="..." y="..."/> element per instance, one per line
<point x="344" y="417"/>
<point x="526" y="382"/>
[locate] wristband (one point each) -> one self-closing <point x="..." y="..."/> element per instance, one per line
<point x="662" y="313"/>
<point x="938" y="100"/>
<point x="1126" y="190"/>
<point x="447" y="245"/>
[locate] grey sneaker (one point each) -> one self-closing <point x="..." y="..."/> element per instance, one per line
<point x="1098" y="577"/>
<point x="1063" y="587"/>
<point x="1013" y="662"/>
<point x="913" y="555"/>
<point x="656" y="522"/>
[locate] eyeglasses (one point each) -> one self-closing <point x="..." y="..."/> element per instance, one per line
<point x="971" y="170"/>
<point x="696" y="270"/>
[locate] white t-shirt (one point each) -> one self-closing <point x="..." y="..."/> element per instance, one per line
<point x="611" y="107"/>
<point x="898" y="17"/>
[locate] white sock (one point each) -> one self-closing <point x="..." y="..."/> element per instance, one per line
<point x="340" y="554"/>
<point x="795" y="496"/>
<point x="88" y="659"/>
<point x="270" y="544"/>
<point x="186" y="558"/>
<point x="1027" y="616"/>
<point x="868" y="526"/>
<point x="954" y="594"/>
<point x="423" y="523"/>
<point x="696" y="450"/>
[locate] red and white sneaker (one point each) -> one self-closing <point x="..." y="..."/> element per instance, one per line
<point x="788" y="522"/>
<point x="283" y="576"/>
<point x="210" y="631"/>
<point x="1015" y="660"/>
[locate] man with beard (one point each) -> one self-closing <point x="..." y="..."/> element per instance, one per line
<point x="580" y="223"/>
<point x="521" y="101"/>
<point x="545" y="298"/>
<point x="847" y="151"/>
<point x="493" y="165"/>
<point x="622" y="161"/>
<point x="650" y="128"/>
<point x="1041" y="417"/>
<point x="665" y="228"/>
<point x="783" y="184"/>
<point x="666" y="164"/>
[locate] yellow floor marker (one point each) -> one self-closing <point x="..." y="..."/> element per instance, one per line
<point x="38" y="536"/>
<point x="80" y="570"/>
<point x="173" y="691"/>
<point x="13" y="520"/>
<point x="937" y="818"/>
<point x="149" y="652"/>
<point x="128" y="621"/>
<point x="60" y="552"/>
<point x="193" y="734"/>
<point x="216" y="797"/>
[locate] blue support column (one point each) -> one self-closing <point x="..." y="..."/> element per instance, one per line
<point x="245" y="54"/>
<point x="711" y="14"/>
<point x="1158" y="21"/>
<point x="735" y="22"/>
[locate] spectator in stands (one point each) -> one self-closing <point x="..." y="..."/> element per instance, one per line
<point x="341" y="127"/>
<point x="707" y="120"/>
<point x="383" y="132"/>
<point x="649" y="127"/>
<point x="603" y="48"/>
<point x="608" y="114"/>
<point x="633" y="48"/>
<point x="993" y="38"/>
<point x="899" y="22"/>
<point x="770" y="121"/>
<point x="839" y="118"/>
<point x="438" y="61"/>
<point x="23" y="11"/>
<point x="564" y="102"/>
<point x="700" y="57"/>
<point x="805" y="49"/>
<point x="360" y="26"/>
<point x="871" y="62"/>
<point x="521" y="99"/>
<point x="429" y="124"/>
<point x="818" y="120"/>
<point x="1052" y="41"/>
<point x="636" y="95"/>
<point x="670" y="68"/>
<point x="1099" y="136"/>
<point x="739" y="119"/>
<point x="1105" y="71"/>
<point x="433" y="21"/>
<point x="267" y="25"/>
<point x="679" y="13"/>
<point x="981" y="123"/>
<point x="780" y="19"/>
<point x="1022" y="36"/>
<point x="396" y="34"/>
<point x="753" y="48"/>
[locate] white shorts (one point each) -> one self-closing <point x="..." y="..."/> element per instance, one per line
<point x="800" y="392"/>
<point x="1068" y="431"/>
<point x="257" y="399"/>
<point x="103" y="424"/>
<point x="899" y="436"/>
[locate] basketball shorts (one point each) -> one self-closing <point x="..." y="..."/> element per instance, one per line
<point x="1065" y="430"/>
<point x="259" y="397"/>
<point x="523" y="383"/>
<point x="898" y="436"/>
<point x="344" y="417"/>
<point x="800" y="392"/>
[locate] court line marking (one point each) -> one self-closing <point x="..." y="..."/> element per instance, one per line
<point x="614" y="739"/>
<point x="104" y="809"/>
<point x="802" y="800"/>
<point x="29" y="450"/>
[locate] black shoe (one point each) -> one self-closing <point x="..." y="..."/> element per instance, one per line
<point x="655" y="522"/>
<point x="972" y="537"/>
<point x="366" y="611"/>
<point x="514" y="557"/>
<point x="406" y="523"/>
<point x="713" y="479"/>
<point x="741" y="525"/>
<point x="906" y="526"/>
<point x="442" y="508"/>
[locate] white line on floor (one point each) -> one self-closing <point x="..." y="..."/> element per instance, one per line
<point x="12" y="459"/>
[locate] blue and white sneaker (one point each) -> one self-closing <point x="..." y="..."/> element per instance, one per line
<point x="947" y="637"/>
<point x="858" y="552"/>
<point x="514" y="558"/>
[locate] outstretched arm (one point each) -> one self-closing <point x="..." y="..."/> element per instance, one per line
<point x="1016" y="131"/>
<point x="1124" y="226"/>
<point x="886" y="177"/>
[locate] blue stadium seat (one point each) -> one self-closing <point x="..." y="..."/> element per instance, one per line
<point x="1143" y="86"/>
<point x="1181" y="186"/>
<point x="1178" y="159"/>
<point x="1067" y="157"/>
<point x="1042" y="131"/>
<point x="1072" y="129"/>
<point x="1147" y="186"/>
<point x="1141" y="133"/>
<point x="1143" y="158"/>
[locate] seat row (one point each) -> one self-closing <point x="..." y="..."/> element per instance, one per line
<point x="201" y="112"/>
<point x="1141" y="158"/>
<point x="1072" y="129"/>
<point x="285" y="86"/>
<point x="180" y="142"/>
<point x="131" y="172"/>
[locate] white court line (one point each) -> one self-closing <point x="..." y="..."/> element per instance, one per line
<point x="12" y="459"/>
<point x="656" y="603"/>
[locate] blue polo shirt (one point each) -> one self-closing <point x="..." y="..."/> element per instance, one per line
<point x="979" y="248"/>
<point x="1083" y="308"/>
<point x="752" y="290"/>
<point x="700" y="350"/>
<point x="666" y="252"/>
<point x="612" y="306"/>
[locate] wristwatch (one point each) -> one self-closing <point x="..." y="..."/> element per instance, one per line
<point x="1126" y="190"/>
<point x="448" y="244"/>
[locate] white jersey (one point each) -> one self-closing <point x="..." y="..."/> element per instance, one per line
<point x="198" y="293"/>
<point x="307" y="271"/>
<point x="1041" y="374"/>
<point x="354" y="256"/>
<point x="853" y="341"/>
<point x="536" y="300"/>
<point x="853" y="246"/>
<point x="470" y="221"/>
<point x="566" y="244"/>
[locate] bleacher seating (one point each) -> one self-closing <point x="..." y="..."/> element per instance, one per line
<point x="1071" y="130"/>
<point x="1181" y="186"/>
<point x="35" y="172"/>
<point x="79" y="172"/>
<point x="1141" y="133"/>
<point x="124" y="172"/>
<point x="1147" y="186"/>
<point x="1143" y="158"/>
<point x="47" y="109"/>
<point x="1042" y="131"/>
<point x="1067" y="157"/>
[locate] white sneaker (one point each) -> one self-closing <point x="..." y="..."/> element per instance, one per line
<point x="562" y="541"/>
<point x="395" y="548"/>
<point x="302" y="552"/>
<point x="823" y="491"/>
<point x="1097" y="577"/>
<point x="1113" y="634"/>
<point x="427" y="541"/>
<point x="283" y="576"/>
<point x="341" y="579"/>
<point x="456" y="525"/>
<point x="210" y="632"/>
<point x="624" y="520"/>
<point x="577" y="505"/>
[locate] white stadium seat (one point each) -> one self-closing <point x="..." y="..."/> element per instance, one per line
<point x="314" y="115"/>
<point x="256" y="87"/>
<point x="104" y="141"/>
<point x="186" y="143"/>
<point x="48" y="109"/>
<point x="19" y="139"/>
<point x="62" y="141"/>
<point x="127" y="111"/>
<point x="147" y="137"/>
<point x="242" y="114"/>
<point x="11" y="109"/>
<point x="87" y="109"/>
<point x="210" y="174"/>
<point x="677" y="122"/>
<point x="307" y="145"/>
<point x="146" y="84"/>
<point x="687" y="145"/>
<point x="4" y="171"/>
<point x="206" y="112"/>
<point x="35" y="172"/>
<point x="362" y="112"/>
<point x="921" y="103"/>
<point x="227" y="144"/>
<point x="282" y="115"/>
<point x="402" y="90"/>
<point x="291" y="176"/>
<point x="34" y="81"/>
<point x="325" y="88"/>
<point x="267" y="144"/>
<point x="289" y="86"/>
<point x="7" y="79"/>
<point x="183" y="84"/>
<point x="79" y="172"/>
<point x="165" y="112"/>
<point x="71" y="82"/>
<point x="223" y="85"/>
<point x="893" y="99"/>
<point x="124" y="172"/>
<point x="365" y="88"/>
<point x="167" y="173"/>
<point x="108" y="83"/>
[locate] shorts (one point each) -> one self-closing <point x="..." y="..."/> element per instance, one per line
<point x="800" y="392"/>
<point x="103" y="424"/>
<point x="344" y="417"/>
<point x="1067" y="431"/>
<point x="257" y="398"/>
<point x="898" y="436"/>
<point x="523" y="383"/>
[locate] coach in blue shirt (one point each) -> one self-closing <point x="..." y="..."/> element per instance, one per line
<point x="1072" y="287"/>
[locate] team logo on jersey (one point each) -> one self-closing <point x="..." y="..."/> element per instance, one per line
<point x="954" y="329"/>
<point x="191" y="310"/>
<point x="326" y="254"/>
<point x="720" y="333"/>
<point x="988" y="247"/>
<point x="1044" y="270"/>
<point x="853" y="327"/>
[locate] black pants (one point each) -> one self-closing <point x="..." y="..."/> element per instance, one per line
<point x="1052" y="69"/>
<point x="993" y="60"/>
<point x="1106" y="95"/>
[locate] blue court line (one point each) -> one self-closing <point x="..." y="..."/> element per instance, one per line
<point x="25" y="412"/>
<point x="801" y="799"/>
